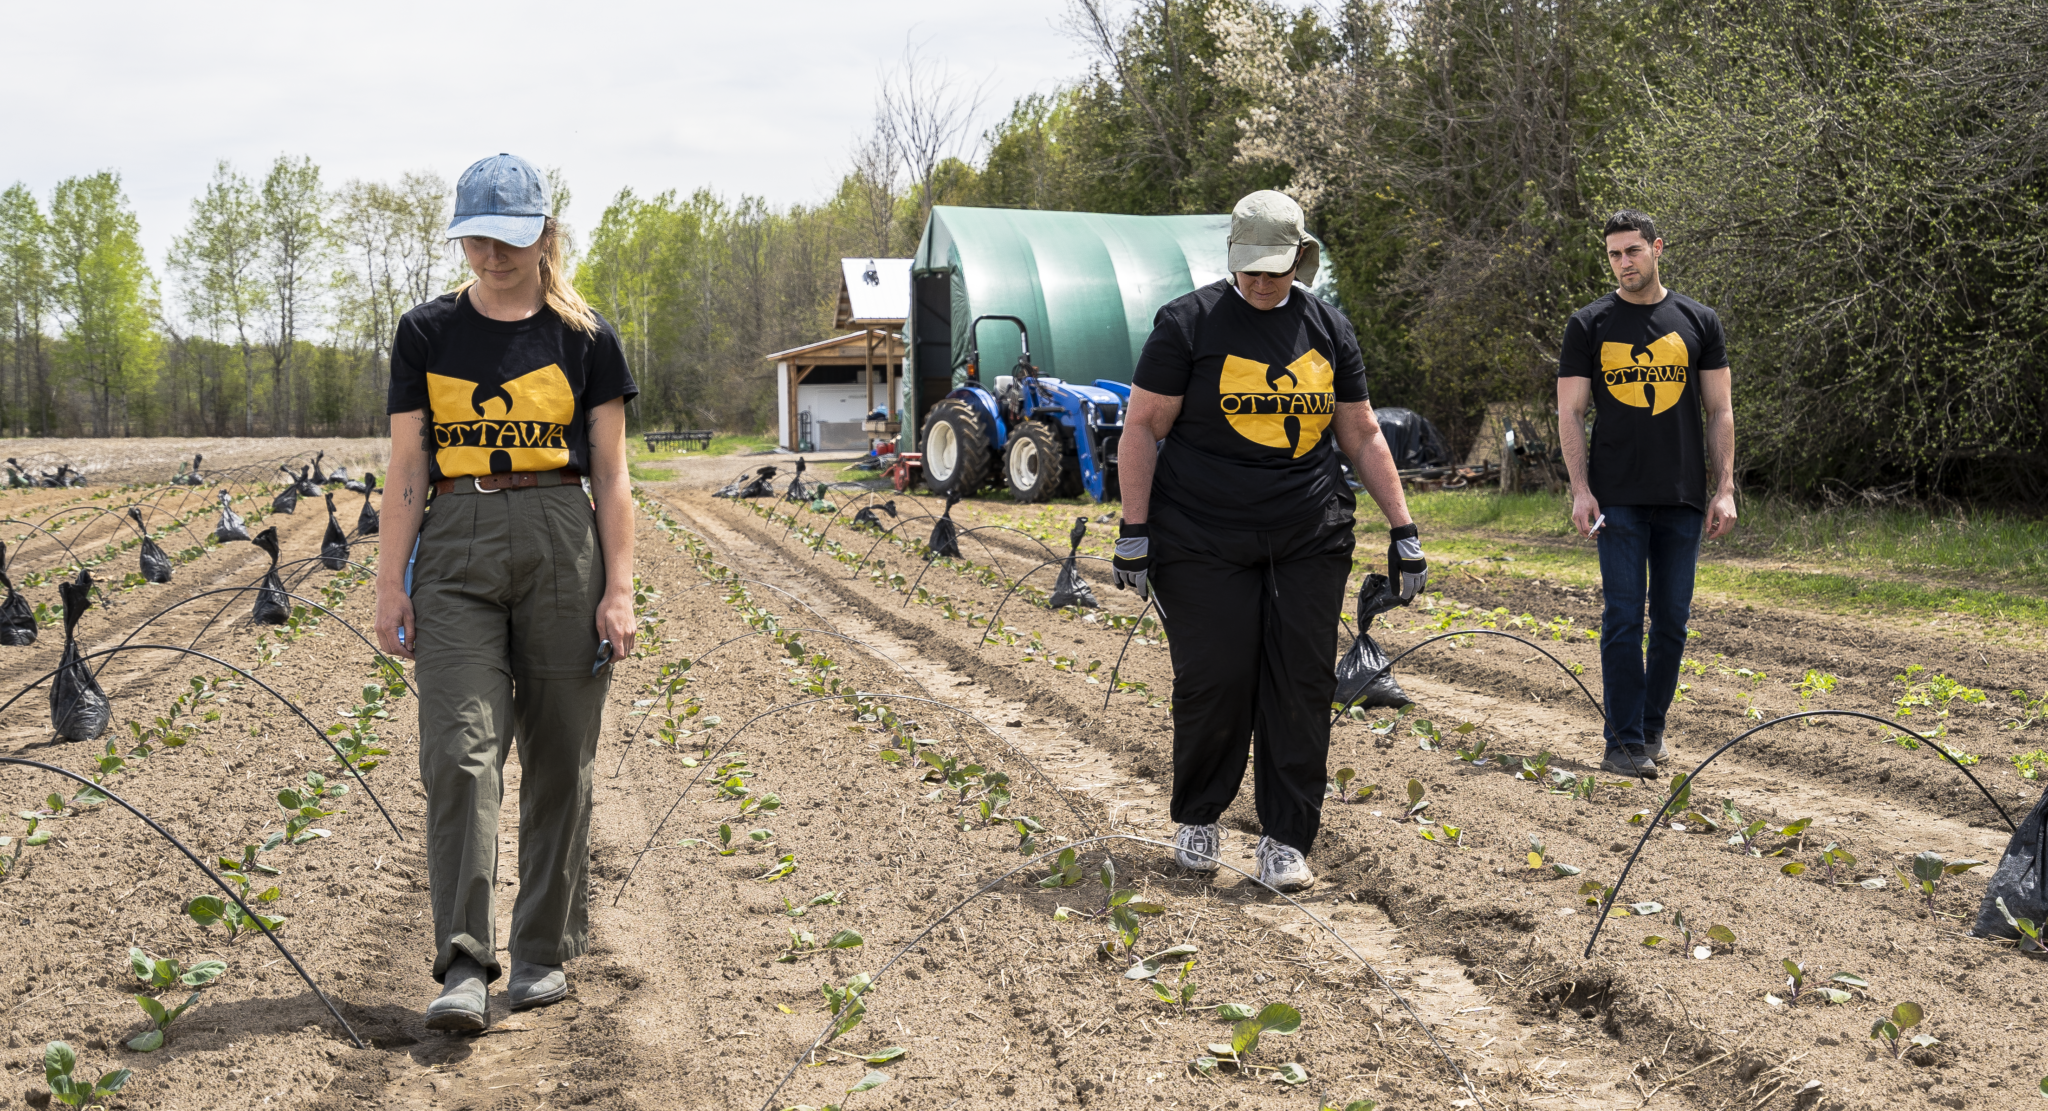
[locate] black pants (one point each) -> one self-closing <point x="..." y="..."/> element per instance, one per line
<point x="1251" y="619"/>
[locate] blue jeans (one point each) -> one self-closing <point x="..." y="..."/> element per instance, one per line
<point x="1647" y="553"/>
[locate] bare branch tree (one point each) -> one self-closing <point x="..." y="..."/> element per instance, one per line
<point x="925" y="113"/>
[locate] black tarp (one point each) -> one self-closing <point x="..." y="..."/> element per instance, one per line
<point x="1363" y="678"/>
<point x="79" y="710"/>
<point x="1414" y="441"/>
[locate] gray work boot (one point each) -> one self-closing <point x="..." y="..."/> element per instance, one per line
<point x="1631" y="760"/>
<point x="1282" y="866"/>
<point x="536" y="985"/>
<point x="464" y="1006"/>
<point x="1197" y="847"/>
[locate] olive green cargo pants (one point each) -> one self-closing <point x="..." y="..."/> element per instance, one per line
<point x="505" y="595"/>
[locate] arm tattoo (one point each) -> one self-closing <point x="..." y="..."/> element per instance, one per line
<point x="408" y="495"/>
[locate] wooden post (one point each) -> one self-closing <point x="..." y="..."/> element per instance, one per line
<point x="789" y="370"/>
<point x="867" y="374"/>
<point x="889" y="376"/>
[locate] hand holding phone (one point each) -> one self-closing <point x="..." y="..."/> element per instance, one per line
<point x="1597" y="523"/>
<point x="604" y="657"/>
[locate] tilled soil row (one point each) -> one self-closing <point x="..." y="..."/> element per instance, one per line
<point x="1482" y="905"/>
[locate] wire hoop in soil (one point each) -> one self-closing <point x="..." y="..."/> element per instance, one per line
<point x="850" y="512"/>
<point x="16" y="553"/>
<point x="1409" y="651"/>
<point x="1020" y="582"/>
<point x="1462" y="1079"/>
<point x="856" y="695"/>
<point x="137" y="631"/>
<point x="1150" y="599"/>
<point x="1650" y="826"/>
<point x="994" y="563"/>
<point x="289" y="704"/>
<point x="254" y="919"/>
<point x="295" y="581"/>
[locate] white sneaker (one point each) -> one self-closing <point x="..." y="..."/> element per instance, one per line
<point x="1282" y="866"/>
<point x="1197" y="847"/>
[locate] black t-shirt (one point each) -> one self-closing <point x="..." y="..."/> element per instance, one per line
<point x="503" y="396"/>
<point x="1649" y="439"/>
<point x="1252" y="447"/>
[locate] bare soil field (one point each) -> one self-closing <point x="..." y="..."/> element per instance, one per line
<point x="803" y="677"/>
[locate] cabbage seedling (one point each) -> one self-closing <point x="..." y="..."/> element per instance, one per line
<point x="846" y="1003"/>
<point x="1892" y="1029"/>
<point x="1535" y="768"/>
<point x="784" y="867"/>
<point x="1416" y="803"/>
<point x="32" y="838"/>
<point x="160" y="1019"/>
<point x="160" y="973"/>
<point x="796" y="910"/>
<point x="304" y="806"/>
<point x="803" y="944"/>
<point x="1065" y="872"/>
<point x="1714" y="936"/>
<point x="1274" y="1018"/>
<point x="58" y="1061"/>
<point x="1928" y="870"/>
<point x="1796" y="978"/>
<point x="1426" y="735"/>
<point x="866" y="1083"/>
<point x="2030" y="931"/>
<point x="1539" y="857"/>
<point x="1340" y="784"/>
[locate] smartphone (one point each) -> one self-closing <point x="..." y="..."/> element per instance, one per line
<point x="604" y="657"/>
<point x="1597" y="523"/>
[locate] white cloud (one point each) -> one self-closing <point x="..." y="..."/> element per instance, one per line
<point x="740" y="97"/>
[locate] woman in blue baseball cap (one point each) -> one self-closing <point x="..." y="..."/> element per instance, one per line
<point x="509" y="586"/>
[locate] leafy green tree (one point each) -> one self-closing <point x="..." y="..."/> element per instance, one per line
<point x="295" y="249"/>
<point x="26" y="293"/>
<point x="219" y="262"/>
<point x="104" y="294"/>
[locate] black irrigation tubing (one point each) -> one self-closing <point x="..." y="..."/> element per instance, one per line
<point x="1470" y="632"/>
<point x="289" y="704"/>
<point x="758" y="633"/>
<point x="210" y="874"/>
<point x="1463" y="1080"/>
<point x="885" y="535"/>
<point x="16" y="554"/>
<point x="197" y="540"/>
<point x="932" y="557"/>
<point x="858" y="694"/>
<point x="852" y="510"/>
<point x="1149" y="600"/>
<point x="1009" y="528"/>
<point x="1692" y="778"/>
<point x="307" y="572"/>
<point x="137" y="631"/>
<point x="1020" y="582"/>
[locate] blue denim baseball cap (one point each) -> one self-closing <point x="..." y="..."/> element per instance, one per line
<point x="502" y="198"/>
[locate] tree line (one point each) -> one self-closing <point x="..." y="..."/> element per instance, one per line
<point x="1855" y="184"/>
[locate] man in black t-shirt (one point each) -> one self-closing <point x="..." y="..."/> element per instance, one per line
<point x="1234" y="509"/>
<point x="1653" y="365"/>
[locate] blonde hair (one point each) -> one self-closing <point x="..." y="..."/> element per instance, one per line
<point x="557" y="288"/>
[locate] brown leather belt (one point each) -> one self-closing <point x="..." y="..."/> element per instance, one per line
<point x="516" y="480"/>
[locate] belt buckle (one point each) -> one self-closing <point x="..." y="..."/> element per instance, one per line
<point x="478" y="482"/>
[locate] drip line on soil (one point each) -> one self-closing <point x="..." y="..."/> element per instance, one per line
<point x="1463" y="1080"/>
<point x="734" y="739"/>
<point x="1650" y="826"/>
<point x="46" y="532"/>
<point x="994" y="564"/>
<point x="210" y="874"/>
<point x="872" y="495"/>
<point x="295" y="581"/>
<point x="289" y="704"/>
<point x="1471" y="632"/>
<point x="1118" y="666"/>
<point x="137" y="631"/>
<point x="1014" y="587"/>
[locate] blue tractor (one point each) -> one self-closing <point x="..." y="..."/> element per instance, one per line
<point x="1041" y="437"/>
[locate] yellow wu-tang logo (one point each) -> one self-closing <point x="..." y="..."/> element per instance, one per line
<point x="486" y="428"/>
<point x="1285" y="407"/>
<point x="1647" y="376"/>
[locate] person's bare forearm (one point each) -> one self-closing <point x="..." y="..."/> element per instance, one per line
<point x="1721" y="449"/>
<point x="1359" y="438"/>
<point x="1137" y="457"/>
<point x="1571" y="429"/>
<point x="614" y="498"/>
<point x="405" y="500"/>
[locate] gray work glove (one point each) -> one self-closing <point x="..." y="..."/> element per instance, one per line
<point x="1406" y="568"/>
<point x="1133" y="562"/>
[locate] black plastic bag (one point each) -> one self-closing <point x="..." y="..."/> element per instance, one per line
<point x="1071" y="589"/>
<point x="273" y="606"/>
<point x="231" y="526"/>
<point x="333" y="546"/>
<point x="798" y="489"/>
<point x="339" y="478"/>
<point x="156" y="566"/>
<point x="79" y="710"/>
<point x="1363" y="678"/>
<point x="945" y="539"/>
<point x="2021" y="879"/>
<point x="307" y="487"/>
<point x="319" y="478"/>
<point x="17" y="621"/>
<point x="287" y="499"/>
<point x="866" y="516"/>
<point x="368" y="520"/>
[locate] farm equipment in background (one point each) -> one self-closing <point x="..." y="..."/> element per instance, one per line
<point x="1041" y="437"/>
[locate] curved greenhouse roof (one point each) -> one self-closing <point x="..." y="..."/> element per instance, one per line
<point x="1086" y="284"/>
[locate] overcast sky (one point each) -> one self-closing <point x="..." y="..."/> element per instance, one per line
<point x="742" y="97"/>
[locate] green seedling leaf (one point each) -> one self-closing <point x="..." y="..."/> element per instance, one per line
<point x="1652" y="941"/>
<point x="1150" y="966"/>
<point x="1645" y="908"/>
<point x="1291" y="1073"/>
<point x="870" y="1081"/>
<point x="149" y="1041"/>
<point x="1565" y="869"/>
<point x="1207" y="1066"/>
<point x="844" y="939"/>
<point x="1958" y="867"/>
<point x="1146" y="908"/>
<point x="1062" y="914"/>
<point x="1244" y="1037"/>
<point x="1279" y="1018"/>
<point x="884" y="1056"/>
<point x="1907" y="1015"/>
<point x="1722" y="934"/>
<point x="1234" y="1012"/>
<point x="1850" y="979"/>
<point x="1835" y="995"/>
<point x="1794" y="869"/>
<point x="1414" y="794"/>
<point x="1929" y="868"/>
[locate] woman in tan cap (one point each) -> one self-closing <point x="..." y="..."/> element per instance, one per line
<point x="1236" y="513"/>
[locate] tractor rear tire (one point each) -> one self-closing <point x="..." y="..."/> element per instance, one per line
<point x="1034" y="463"/>
<point x="956" y="452"/>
